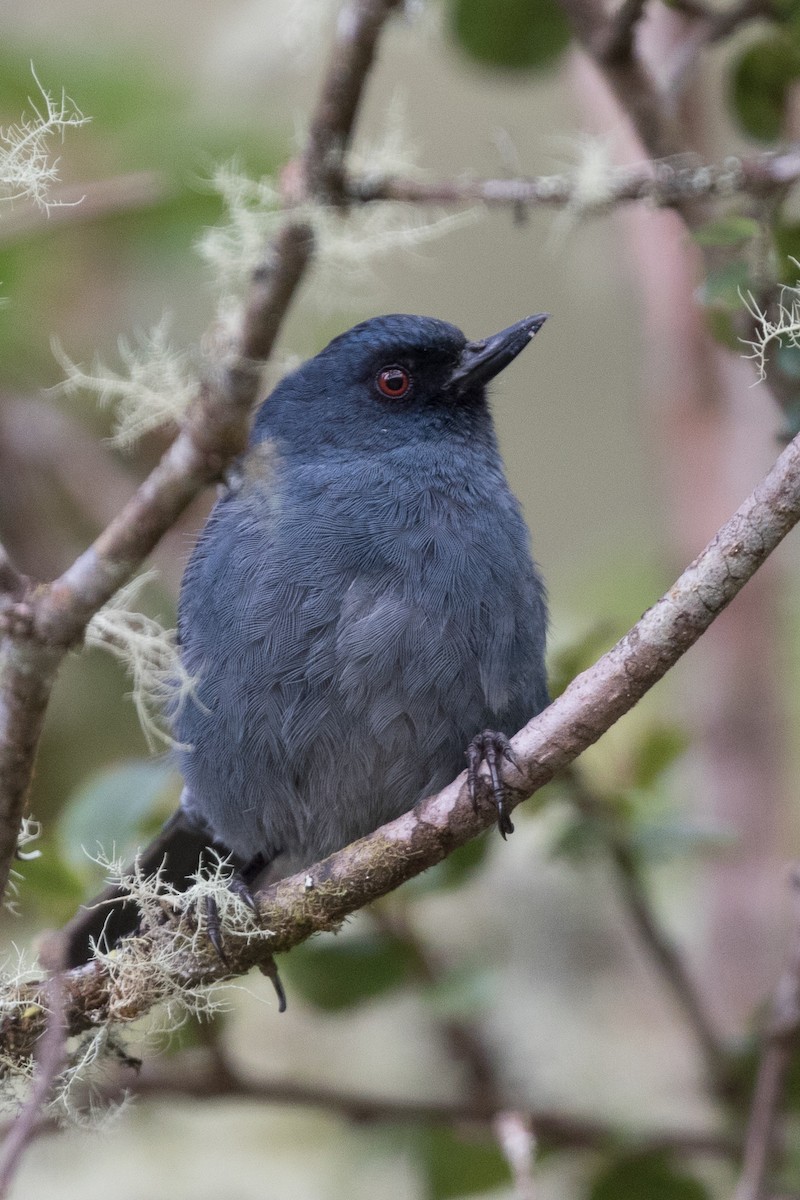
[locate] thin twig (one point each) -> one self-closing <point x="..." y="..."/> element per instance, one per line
<point x="12" y="583"/>
<point x="628" y="80"/>
<point x="780" y="1043"/>
<point x="654" y="938"/>
<point x="667" y="183"/>
<point x="322" y="896"/>
<point x="333" y="121"/>
<point x="721" y="23"/>
<point x="199" y="1076"/>
<point x="51" y="1055"/>
<point x="192" y="1074"/>
<point x="617" y="40"/>
<point x="516" y="1138"/>
<point x="462" y="1038"/>
<point x="80" y="204"/>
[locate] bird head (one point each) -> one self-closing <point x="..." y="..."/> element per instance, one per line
<point x="393" y="379"/>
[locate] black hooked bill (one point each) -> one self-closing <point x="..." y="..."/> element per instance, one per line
<point x="481" y="361"/>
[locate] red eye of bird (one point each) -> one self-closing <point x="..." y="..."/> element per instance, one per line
<point x="394" y="382"/>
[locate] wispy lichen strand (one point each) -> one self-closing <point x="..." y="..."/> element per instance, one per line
<point x="149" y="652"/>
<point x="27" y="168"/>
<point x="781" y="330"/>
<point x="155" y="389"/>
<point x="348" y="242"/>
<point x="150" y="975"/>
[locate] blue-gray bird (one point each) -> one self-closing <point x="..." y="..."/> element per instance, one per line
<point x="361" y="608"/>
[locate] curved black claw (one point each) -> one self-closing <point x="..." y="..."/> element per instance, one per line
<point x="269" y="967"/>
<point x="490" y="747"/>
<point x="214" y="929"/>
<point x="241" y="888"/>
<point x="239" y="884"/>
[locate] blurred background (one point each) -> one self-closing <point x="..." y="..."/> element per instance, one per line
<point x="629" y="432"/>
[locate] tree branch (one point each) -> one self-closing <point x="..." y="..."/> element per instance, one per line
<point x="357" y="32"/>
<point x="51" y="618"/>
<point x="780" y="1043"/>
<point x="196" y="1075"/>
<point x="721" y="23"/>
<point x="658" y="944"/>
<point x="462" y="1038"/>
<point x="51" y="1058"/>
<point x="627" y="77"/>
<point x="12" y="583"/>
<point x="616" y="44"/>
<point x="80" y="204"/>
<point x="668" y="183"/>
<point x="321" y="897"/>
<point x="554" y="1129"/>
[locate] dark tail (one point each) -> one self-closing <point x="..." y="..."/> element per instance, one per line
<point x="177" y="850"/>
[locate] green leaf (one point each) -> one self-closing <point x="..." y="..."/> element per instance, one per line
<point x="48" y="883"/>
<point x="457" y="1165"/>
<point x="581" y="837"/>
<point x="454" y="870"/>
<point x="510" y="34"/>
<point x="722" y="287"/>
<point x="656" y="750"/>
<point x="646" y="1177"/>
<point x="110" y="811"/>
<point x="464" y="992"/>
<point x="760" y="82"/>
<point x="662" y="838"/>
<point x="727" y="231"/>
<point x="722" y="328"/>
<point x="337" y="973"/>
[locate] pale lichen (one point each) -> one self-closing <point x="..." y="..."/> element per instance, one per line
<point x="782" y="329"/>
<point x="348" y="241"/>
<point x="150" y="653"/>
<point x="150" y="969"/>
<point x="154" y="390"/>
<point x="27" y="168"/>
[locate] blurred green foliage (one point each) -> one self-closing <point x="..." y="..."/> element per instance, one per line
<point x="510" y="34"/>
<point x="333" y="973"/>
<point x="111" y="811"/>
<point x="90" y="764"/>
<point x="141" y="120"/>
<point x="455" y="1164"/>
<point x="761" y="80"/>
<point x="645" y="1177"/>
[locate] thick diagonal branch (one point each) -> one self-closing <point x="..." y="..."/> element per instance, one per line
<point x="323" y="896"/>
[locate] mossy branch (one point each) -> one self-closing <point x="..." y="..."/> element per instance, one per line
<point x="323" y="896"/>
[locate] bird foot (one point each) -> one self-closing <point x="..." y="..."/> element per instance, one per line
<point x="490" y="747"/>
<point x="236" y="884"/>
<point x="239" y="885"/>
